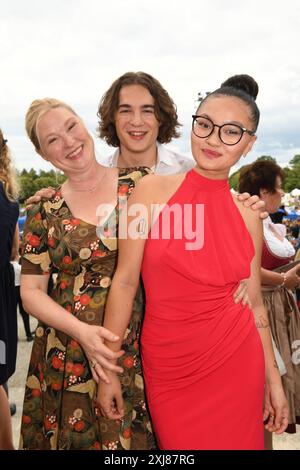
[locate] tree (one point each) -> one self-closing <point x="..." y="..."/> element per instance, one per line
<point x="32" y="173"/>
<point x="30" y="181"/>
<point x="292" y="174"/>
<point x="267" y="157"/>
<point x="43" y="182"/>
<point x="295" y="160"/>
<point x="234" y="180"/>
<point x="26" y="187"/>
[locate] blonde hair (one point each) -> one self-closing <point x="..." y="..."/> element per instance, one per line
<point x="7" y="171"/>
<point x="35" y="111"/>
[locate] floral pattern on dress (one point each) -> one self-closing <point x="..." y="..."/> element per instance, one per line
<point x="59" y="410"/>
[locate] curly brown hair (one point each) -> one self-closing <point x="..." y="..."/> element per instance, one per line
<point x="164" y="108"/>
<point x="7" y="171"/>
<point x="259" y="175"/>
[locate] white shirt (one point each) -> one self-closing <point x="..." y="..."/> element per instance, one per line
<point x="283" y="249"/>
<point x="17" y="269"/>
<point x="168" y="162"/>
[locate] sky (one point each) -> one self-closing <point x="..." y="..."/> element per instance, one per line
<point x="74" y="49"/>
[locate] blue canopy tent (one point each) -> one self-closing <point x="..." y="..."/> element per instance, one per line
<point x="21" y="223"/>
<point x="292" y="215"/>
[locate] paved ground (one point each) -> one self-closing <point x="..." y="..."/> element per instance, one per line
<point x="16" y="391"/>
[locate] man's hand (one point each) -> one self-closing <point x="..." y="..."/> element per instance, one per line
<point x="45" y="193"/>
<point x="241" y="294"/>
<point x="255" y="203"/>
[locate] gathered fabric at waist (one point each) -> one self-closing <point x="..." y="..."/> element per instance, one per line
<point x="180" y="345"/>
<point x="201" y="302"/>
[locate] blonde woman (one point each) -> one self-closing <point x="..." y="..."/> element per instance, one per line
<point x="59" y="412"/>
<point x="9" y="211"/>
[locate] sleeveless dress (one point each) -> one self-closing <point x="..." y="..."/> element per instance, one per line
<point x="59" y="411"/>
<point x="9" y="212"/>
<point x="202" y="356"/>
<point x="284" y="319"/>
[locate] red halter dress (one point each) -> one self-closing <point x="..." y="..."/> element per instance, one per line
<point x="202" y="355"/>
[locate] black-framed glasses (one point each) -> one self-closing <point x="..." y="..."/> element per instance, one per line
<point x="229" y="134"/>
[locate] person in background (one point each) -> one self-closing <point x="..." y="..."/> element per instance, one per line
<point x="278" y="288"/>
<point x="21" y="221"/>
<point x="295" y="229"/>
<point x="23" y="313"/>
<point x="9" y="211"/>
<point x="207" y="363"/>
<point x="278" y="216"/>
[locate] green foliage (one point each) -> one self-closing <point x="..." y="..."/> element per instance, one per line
<point x="26" y="187"/>
<point x="267" y="157"/>
<point x="31" y="181"/>
<point x="292" y="174"/>
<point x="295" y="160"/>
<point x="234" y="180"/>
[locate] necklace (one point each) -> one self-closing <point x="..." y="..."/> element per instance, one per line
<point x="93" y="188"/>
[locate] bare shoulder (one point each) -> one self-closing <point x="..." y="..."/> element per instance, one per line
<point x="158" y="187"/>
<point x="144" y="190"/>
<point x="160" y="180"/>
<point x="251" y="218"/>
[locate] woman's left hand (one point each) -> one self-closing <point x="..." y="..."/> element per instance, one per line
<point x="241" y="294"/>
<point x="109" y="398"/>
<point x="276" y="409"/>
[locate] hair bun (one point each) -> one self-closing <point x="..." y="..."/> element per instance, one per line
<point x="242" y="82"/>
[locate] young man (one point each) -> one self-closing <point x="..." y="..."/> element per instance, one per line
<point x="137" y="115"/>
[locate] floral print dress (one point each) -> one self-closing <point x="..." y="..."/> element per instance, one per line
<point x="59" y="410"/>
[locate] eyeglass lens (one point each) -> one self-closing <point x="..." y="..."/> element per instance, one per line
<point x="229" y="133"/>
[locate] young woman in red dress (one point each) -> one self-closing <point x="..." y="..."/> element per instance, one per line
<point x="209" y="367"/>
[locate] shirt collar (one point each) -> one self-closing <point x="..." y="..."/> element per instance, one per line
<point x="163" y="156"/>
<point x="114" y="158"/>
